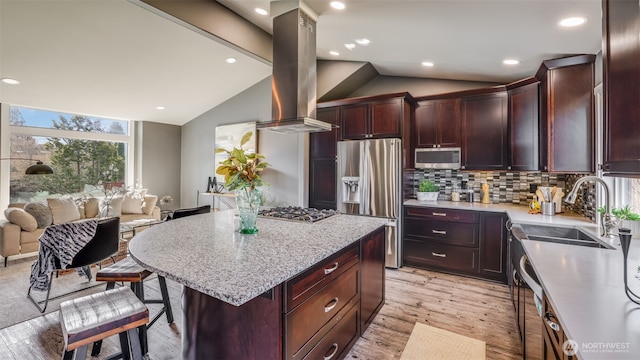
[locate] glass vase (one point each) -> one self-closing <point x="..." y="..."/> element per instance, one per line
<point x="248" y="202"/>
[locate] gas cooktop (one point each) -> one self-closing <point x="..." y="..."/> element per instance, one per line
<point x="297" y="213"/>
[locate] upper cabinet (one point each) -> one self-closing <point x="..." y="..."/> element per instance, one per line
<point x="621" y="60"/>
<point x="437" y="123"/>
<point x="374" y="119"/>
<point x="524" y="123"/>
<point x="322" y="161"/>
<point x="484" y="131"/>
<point x="566" y="114"/>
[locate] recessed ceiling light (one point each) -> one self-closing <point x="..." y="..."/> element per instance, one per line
<point x="160" y="107"/>
<point x="511" y="62"/>
<point x="10" y="81"/>
<point x="350" y="46"/>
<point x="572" y="21"/>
<point x="261" y="11"/>
<point x="363" y="42"/>
<point x="338" y="5"/>
<point x="334" y="53"/>
<point x="427" y="63"/>
<point x="231" y="60"/>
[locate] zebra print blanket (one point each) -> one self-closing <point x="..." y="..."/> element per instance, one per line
<point x="63" y="242"/>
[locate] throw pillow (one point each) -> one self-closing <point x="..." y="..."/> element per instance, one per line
<point x="150" y="202"/>
<point x="21" y="218"/>
<point x="91" y="207"/>
<point x="64" y="210"/>
<point x="132" y="201"/>
<point x="116" y="205"/>
<point x="41" y="212"/>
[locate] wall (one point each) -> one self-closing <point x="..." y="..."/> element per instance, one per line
<point x="505" y="187"/>
<point x="158" y="146"/>
<point x="416" y="86"/>
<point x="286" y="153"/>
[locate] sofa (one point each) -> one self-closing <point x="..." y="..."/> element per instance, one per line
<point x="25" y="222"/>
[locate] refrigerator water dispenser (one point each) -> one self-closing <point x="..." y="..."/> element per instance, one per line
<point x="350" y="187"/>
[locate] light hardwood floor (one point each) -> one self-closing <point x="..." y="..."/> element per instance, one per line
<point x="469" y="307"/>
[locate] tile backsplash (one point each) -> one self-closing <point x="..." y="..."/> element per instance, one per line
<point x="504" y="187"/>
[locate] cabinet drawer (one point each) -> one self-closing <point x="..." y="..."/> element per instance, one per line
<point x="442" y="256"/>
<point x="336" y="342"/>
<point x="308" y="318"/>
<point x="442" y="214"/>
<point x="445" y="232"/>
<point x="306" y="284"/>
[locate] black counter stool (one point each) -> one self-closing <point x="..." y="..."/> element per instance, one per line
<point x="94" y="317"/>
<point x="127" y="270"/>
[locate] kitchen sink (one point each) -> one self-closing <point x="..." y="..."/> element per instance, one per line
<point x="570" y="236"/>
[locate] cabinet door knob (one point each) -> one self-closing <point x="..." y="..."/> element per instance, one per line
<point x="331" y="304"/>
<point x="439" y="254"/>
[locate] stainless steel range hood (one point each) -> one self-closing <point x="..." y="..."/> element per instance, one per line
<point x="294" y="70"/>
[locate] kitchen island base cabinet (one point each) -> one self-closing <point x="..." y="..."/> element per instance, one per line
<point x="216" y="329"/>
<point x="317" y="314"/>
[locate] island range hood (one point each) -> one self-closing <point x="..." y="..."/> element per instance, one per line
<point x="294" y="77"/>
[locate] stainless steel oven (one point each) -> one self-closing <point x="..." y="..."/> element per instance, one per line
<point x="438" y="158"/>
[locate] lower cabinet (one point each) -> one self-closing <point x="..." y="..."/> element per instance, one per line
<point x="327" y="307"/>
<point x="554" y="347"/>
<point x="458" y="241"/>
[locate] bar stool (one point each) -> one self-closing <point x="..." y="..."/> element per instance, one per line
<point x="94" y="317"/>
<point x="127" y="270"/>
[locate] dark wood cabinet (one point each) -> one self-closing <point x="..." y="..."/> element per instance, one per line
<point x="484" y="131"/>
<point x="437" y="123"/>
<point x="554" y="338"/>
<point x="566" y="114"/>
<point x="372" y="275"/>
<point x="458" y="241"/>
<point x="493" y="246"/>
<point x="373" y="119"/>
<point x="322" y="161"/>
<point x="524" y="122"/>
<point x="621" y="82"/>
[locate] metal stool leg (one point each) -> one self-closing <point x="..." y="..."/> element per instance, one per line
<point x="138" y="289"/>
<point x="165" y="298"/>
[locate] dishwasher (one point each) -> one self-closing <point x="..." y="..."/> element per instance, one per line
<point x="527" y="295"/>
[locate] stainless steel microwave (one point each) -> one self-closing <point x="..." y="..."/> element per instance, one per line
<point x="438" y="158"/>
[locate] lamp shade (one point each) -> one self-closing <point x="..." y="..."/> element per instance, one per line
<point x="39" y="169"/>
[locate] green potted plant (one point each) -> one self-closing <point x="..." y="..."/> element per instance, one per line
<point x="241" y="173"/>
<point x="627" y="219"/>
<point x="427" y="191"/>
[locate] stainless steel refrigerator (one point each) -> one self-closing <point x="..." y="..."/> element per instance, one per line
<point x="370" y="183"/>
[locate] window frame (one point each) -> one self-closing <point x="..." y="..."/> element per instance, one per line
<point x="6" y="130"/>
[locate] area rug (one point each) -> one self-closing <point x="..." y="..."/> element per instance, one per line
<point x="15" y="307"/>
<point x="430" y="343"/>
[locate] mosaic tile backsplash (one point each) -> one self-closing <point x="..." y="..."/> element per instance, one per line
<point x="504" y="187"/>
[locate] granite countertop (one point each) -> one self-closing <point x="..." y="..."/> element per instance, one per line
<point x="584" y="285"/>
<point x="204" y="253"/>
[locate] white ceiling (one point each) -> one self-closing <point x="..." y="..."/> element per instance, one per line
<point x="115" y="59"/>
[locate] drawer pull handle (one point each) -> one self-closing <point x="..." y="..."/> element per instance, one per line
<point x="439" y="254"/>
<point x="330" y="305"/>
<point x="441" y="232"/>
<point x="438" y="214"/>
<point x="553" y="325"/>
<point x="333" y="268"/>
<point x="333" y="353"/>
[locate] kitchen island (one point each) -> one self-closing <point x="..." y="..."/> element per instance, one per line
<point x="245" y="295"/>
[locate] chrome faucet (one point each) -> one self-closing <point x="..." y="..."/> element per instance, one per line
<point x="607" y="220"/>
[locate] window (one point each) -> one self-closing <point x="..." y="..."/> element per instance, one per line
<point x="87" y="153"/>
